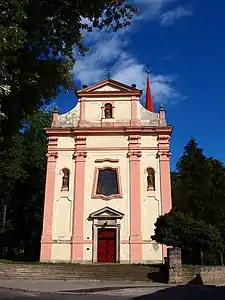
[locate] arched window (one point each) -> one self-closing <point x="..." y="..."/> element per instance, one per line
<point x="150" y="179"/>
<point x="108" y="111"/>
<point x="65" y="179"/>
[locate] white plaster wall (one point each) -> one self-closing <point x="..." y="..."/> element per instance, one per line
<point x="151" y="204"/>
<point x="149" y="140"/>
<point x="60" y="252"/>
<point x="63" y="200"/>
<point x="93" y="111"/>
<point x="152" y="253"/>
<point x="107" y="141"/>
<point x="122" y="110"/>
<point x="122" y="205"/>
<point x="66" y="142"/>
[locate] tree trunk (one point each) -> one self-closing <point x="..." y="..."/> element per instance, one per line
<point x="4" y="216"/>
<point x="202" y="257"/>
<point x="221" y="258"/>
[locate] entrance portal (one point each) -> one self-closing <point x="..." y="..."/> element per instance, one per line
<point x="106" y="252"/>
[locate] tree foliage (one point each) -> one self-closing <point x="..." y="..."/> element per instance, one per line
<point x="36" y="48"/>
<point x="181" y="230"/>
<point x="22" y="183"/>
<point x="198" y="189"/>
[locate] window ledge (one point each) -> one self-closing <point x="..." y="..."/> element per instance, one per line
<point x="103" y="197"/>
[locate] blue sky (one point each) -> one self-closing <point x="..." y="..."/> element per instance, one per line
<point x="183" y="42"/>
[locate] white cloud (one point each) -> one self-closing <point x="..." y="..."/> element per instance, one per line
<point x="170" y="16"/>
<point x="111" y="50"/>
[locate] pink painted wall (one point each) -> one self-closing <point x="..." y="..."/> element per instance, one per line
<point x="46" y="239"/>
<point x="78" y="201"/>
<point x="135" y="200"/>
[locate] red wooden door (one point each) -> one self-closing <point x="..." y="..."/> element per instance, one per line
<point x="106" y="245"/>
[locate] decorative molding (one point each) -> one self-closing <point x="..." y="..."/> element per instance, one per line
<point x="164" y="138"/>
<point x="80" y="140"/>
<point x="134" y="139"/>
<point x="79" y="154"/>
<point x="111" y="160"/>
<point x="163" y="153"/>
<point x="52" y="154"/>
<point x="106" y="213"/>
<point x="134" y="153"/>
<point x="95" y="182"/>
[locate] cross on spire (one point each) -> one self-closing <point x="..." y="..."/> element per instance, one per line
<point x="108" y="73"/>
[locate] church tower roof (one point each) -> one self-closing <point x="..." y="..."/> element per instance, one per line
<point x="149" y="102"/>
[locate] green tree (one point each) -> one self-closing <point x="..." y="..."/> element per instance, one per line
<point x="191" y="185"/>
<point x="181" y="230"/>
<point x="22" y="183"/>
<point x="36" y="48"/>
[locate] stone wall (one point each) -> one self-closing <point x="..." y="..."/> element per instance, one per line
<point x="183" y="274"/>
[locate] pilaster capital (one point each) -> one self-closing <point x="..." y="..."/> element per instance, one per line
<point x="52" y="155"/>
<point x="79" y="155"/>
<point x="134" y="154"/>
<point x="164" y="154"/>
<point x="163" y="139"/>
<point x="80" y="141"/>
<point x="52" y="141"/>
<point x="134" y="139"/>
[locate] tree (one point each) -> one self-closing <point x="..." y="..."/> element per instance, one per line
<point x="22" y="184"/>
<point x="191" y="184"/>
<point x="36" y="48"/>
<point x="181" y="230"/>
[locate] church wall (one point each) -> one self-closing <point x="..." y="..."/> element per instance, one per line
<point x="120" y="204"/>
<point x="151" y="204"/>
<point x="106" y="141"/>
<point x="63" y="206"/>
<point x="66" y="142"/>
<point x="121" y="108"/>
<point x="93" y="111"/>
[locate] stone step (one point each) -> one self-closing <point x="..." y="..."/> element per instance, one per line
<point x="76" y="271"/>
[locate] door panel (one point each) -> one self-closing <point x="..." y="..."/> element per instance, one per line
<point x="106" y="246"/>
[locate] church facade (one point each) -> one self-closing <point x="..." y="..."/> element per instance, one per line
<point x="108" y="178"/>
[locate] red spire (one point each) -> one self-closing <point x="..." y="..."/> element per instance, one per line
<point x="149" y="103"/>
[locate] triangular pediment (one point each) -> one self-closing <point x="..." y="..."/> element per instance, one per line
<point x="107" y="86"/>
<point x="106" y="212"/>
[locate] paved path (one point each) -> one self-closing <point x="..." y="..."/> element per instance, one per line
<point x="96" y="290"/>
<point x="51" y="286"/>
<point x="171" y="293"/>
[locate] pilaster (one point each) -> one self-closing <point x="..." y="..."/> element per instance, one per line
<point x="46" y="239"/>
<point x="165" y="180"/>
<point x="78" y="200"/>
<point x="134" y="155"/>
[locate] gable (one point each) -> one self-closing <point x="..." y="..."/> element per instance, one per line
<point x="109" y="86"/>
<point x="106" y="212"/>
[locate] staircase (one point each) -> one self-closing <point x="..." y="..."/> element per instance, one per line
<point x="107" y="272"/>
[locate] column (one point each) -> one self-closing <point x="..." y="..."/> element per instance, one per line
<point x="78" y="201"/>
<point x="46" y="239"/>
<point x="165" y="181"/>
<point x="134" y="155"/>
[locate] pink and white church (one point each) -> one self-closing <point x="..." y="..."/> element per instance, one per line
<point x="108" y="178"/>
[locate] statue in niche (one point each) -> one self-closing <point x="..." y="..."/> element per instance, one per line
<point x="65" y="180"/>
<point x="150" y="180"/>
<point x="108" y="111"/>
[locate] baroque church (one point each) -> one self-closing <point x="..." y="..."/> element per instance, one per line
<point x="108" y="178"/>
